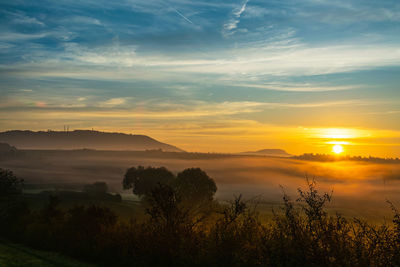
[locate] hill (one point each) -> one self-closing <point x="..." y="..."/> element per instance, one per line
<point x="269" y="152"/>
<point x="80" y="139"/>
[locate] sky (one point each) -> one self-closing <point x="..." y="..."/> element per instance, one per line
<point x="207" y="76"/>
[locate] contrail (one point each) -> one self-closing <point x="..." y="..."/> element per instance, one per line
<point x="180" y="14"/>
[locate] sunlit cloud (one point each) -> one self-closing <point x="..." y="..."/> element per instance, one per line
<point x="300" y="87"/>
<point x="299" y="61"/>
<point x="41" y="104"/>
<point x="189" y="109"/>
<point x="112" y="102"/>
<point x="335" y="133"/>
<point x="338" y="142"/>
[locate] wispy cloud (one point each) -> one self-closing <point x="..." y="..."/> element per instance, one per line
<point x="278" y="61"/>
<point x="113" y="102"/>
<point x="300" y="61"/>
<point x="299" y="87"/>
<point x="22" y="18"/>
<point x="82" y="20"/>
<point x="388" y="112"/>
<point x="230" y="26"/>
<point x="14" y="36"/>
<point x="107" y="56"/>
<point x="347" y="12"/>
<point x="117" y="107"/>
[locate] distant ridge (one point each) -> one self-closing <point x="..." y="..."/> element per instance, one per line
<point x="269" y="152"/>
<point x="80" y="139"/>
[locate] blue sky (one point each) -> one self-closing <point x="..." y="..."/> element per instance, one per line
<point x="206" y="75"/>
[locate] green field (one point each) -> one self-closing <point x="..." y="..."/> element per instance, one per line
<point x="12" y="254"/>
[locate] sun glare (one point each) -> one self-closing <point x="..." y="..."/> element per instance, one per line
<point x="334" y="133"/>
<point x="337" y="149"/>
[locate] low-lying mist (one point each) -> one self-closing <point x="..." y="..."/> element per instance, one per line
<point x="359" y="188"/>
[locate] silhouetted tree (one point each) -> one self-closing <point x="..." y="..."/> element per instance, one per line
<point x="194" y="185"/>
<point x="9" y="183"/>
<point x="97" y="188"/>
<point x="165" y="207"/>
<point x="144" y="180"/>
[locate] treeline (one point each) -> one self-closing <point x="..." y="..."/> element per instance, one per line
<point x="199" y="231"/>
<point x="328" y="157"/>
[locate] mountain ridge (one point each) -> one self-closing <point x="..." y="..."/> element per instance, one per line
<point x="80" y="139"/>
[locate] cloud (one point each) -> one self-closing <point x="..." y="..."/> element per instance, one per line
<point x="298" y="60"/>
<point x="82" y="20"/>
<point x="119" y="107"/>
<point x="27" y="20"/>
<point x="388" y="112"/>
<point x="106" y="56"/>
<point x="230" y="26"/>
<point x="41" y="104"/>
<point x="299" y="87"/>
<point x="22" y="18"/>
<point x="347" y="12"/>
<point x="112" y="102"/>
<point x="242" y="9"/>
<point x="14" y="36"/>
<point x="245" y="67"/>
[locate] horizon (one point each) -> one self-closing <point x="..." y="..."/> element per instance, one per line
<point x="332" y="155"/>
<point x="310" y="77"/>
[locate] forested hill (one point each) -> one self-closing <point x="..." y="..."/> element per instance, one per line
<point x="80" y="139"/>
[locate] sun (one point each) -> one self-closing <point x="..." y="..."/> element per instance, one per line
<point x="337" y="149"/>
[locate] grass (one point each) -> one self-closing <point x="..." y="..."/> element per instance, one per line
<point x="12" y="254"/>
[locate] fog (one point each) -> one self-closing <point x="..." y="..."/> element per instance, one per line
<point x="359" y="188"/>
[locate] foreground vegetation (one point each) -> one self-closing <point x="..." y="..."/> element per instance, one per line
<point x="180" y="230"/>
